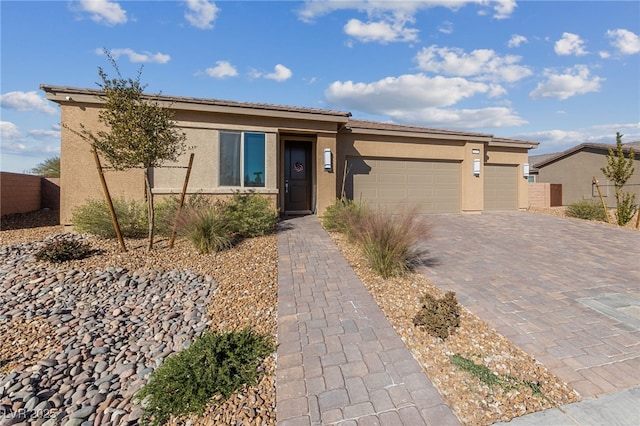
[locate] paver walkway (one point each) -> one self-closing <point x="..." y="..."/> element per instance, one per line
<point x="565" y="291"/>
<point x="339" y="360"/>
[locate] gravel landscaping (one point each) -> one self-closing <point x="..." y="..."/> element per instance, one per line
<point x="81" y="337"/>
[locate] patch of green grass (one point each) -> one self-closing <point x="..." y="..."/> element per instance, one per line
<point x="489" y="378"/>
<point x="215" y="364"/>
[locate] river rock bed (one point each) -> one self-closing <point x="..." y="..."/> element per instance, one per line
<point x="102" y="332"/>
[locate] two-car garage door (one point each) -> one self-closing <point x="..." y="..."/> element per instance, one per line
<point x="432" y="186"/>
<point x="393" y="184"/>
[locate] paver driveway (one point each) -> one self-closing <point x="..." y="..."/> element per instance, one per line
<point x="566" y="291"/>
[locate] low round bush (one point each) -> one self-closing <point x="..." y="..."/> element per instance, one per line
<point x="215" y="364"/>
<point x="587" y="209"/>
<point x="93" y="217"/>
<point x="439" y="317"/>
<point x="250" y="215"/>
<point x="64" y="250"/>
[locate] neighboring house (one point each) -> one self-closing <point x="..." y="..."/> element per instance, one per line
<point x="576" y="167"/>
<point x="303" y="158"/>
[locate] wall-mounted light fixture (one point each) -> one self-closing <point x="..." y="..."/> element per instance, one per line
<point x="328" y="160"/>
<point x="476" y="167"/>
<point x="525" y="170"/>
<point x="475" y="151"/>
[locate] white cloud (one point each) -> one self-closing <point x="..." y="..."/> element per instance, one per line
<point x="390" y="21"/>
<point x="559" y="140"/>
<point x="504" y="8"/>
<point x="104" y="11"/>
<point x="314" y="9"/>
<point x="625" y="41"/>
<point x="570" y="44"/>
<point x="201" y="13"/>
<point x="222" y="69"/>
<point x="383" y="32"/>
<point x="463" y="118"/>
<point x="484" y="64"/>
<point x="516" y="40"/>
<point x="446" y="27"/>
<point x="280" y="73"/>
<point x="12" y="141"/>
<point x="404" y="93"/>
<point x="27" y="101"/>
<point x="44" y="134"/>
<point x="137" y="57"/>
<point x="604" y="54"/>
<point x="8" y="130"/>
<point x="574" y="81"/>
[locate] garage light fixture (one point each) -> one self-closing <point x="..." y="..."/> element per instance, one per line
<point x="525" y="170"/>
<point x="476" y="167"/>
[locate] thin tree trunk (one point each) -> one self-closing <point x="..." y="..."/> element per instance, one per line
<point x="150" y="211"/>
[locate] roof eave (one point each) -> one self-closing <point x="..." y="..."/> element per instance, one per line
<point x="69" y="95"/>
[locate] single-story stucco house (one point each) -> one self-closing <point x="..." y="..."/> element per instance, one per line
<point x="576" y="167"/>
<point x="303" y="158"/>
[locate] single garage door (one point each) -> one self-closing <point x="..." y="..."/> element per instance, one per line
<point x="500" y="187"/>
<point x="432" y="186"/>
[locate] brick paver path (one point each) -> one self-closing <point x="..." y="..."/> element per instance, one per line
<point x="339" y="361"/>
<point x="532" y="277"/>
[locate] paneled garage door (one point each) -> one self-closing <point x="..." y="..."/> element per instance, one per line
<point x="433" y="186"/>
<point x="500" y="187"/>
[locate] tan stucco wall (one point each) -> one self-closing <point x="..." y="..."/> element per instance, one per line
<point x="325" y="180"/>
<point x="576" y="172"/>
<point x="472" y="192"/>
<point x="20" y="193"/>
<point x="516" y="157"/>
<point x="79" y="178"/>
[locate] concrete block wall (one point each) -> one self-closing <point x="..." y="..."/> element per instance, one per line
<point x="545" y="195"/>
<point x="21" y="193"/>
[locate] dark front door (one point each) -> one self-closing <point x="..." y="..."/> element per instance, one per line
<point x="297" y="177"/>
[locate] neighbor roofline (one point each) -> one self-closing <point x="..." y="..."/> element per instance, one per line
<point x="582" y="146"/>
<point x="69" y="95"/>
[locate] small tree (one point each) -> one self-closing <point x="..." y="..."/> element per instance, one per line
<point x="48" y="168"/>
<point x="140" y="132"/>
<point x="619" y="170"/>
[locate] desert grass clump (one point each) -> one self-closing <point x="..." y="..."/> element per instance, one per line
<point x="64" y="250"/>
<point x="167" y="208"/>
<point x="250" y="215"/>
<point x="344" y="216"/>
<point x="390" y="242"/>
<point x="439" y="317"/>
<point x="93" y="218"/>
<point x="587" y="209"/>
<point x="215" y="364"/>
<point x="206" y="228"/>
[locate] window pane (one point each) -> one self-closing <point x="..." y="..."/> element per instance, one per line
<point x="229" y="159"/>
<point x="254" y="159"/>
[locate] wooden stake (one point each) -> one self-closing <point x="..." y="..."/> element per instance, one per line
<point x="182" y="196"/>
<point x="105" y="189"/>
<point x="604" y="205"/>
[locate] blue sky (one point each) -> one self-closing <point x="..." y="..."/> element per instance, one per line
<point x="557" y="72"/>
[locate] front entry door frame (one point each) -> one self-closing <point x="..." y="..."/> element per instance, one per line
<point x="298" y="175"/>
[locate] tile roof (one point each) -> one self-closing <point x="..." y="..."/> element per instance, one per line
<point x="206" y="101"/>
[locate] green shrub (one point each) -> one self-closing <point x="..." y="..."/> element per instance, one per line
<point x="390" y="242"/>
<point x="627" y="208"/>
<point x="250" y="215"/>
<point x="64" y="250"/>
<point x="206" y="228"/>
<point x="94" y="218"/>
<point x="439" y="317"/>
<point x="166" y="209"/>
<point x="587" y="209"/>
<point x="216" y="363"/>
<point x="344" y="216"/>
